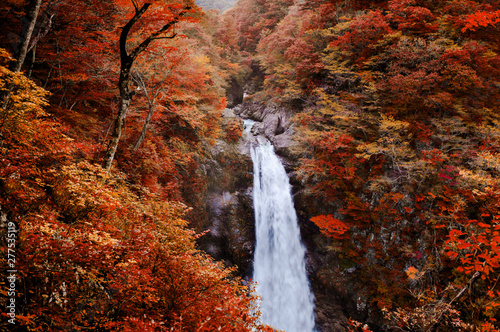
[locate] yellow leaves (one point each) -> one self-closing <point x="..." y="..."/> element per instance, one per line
<point x="127" y="263"/>
<point x="102" y="238"/>
<point x="390" y="39"/>
<point x="85" y="191"/>
<point x="5" y="57"/>
<point x="489" y="130"/>
<point x="388" y="124"/>
<point x="478" y="179"/>
<point x="22" y="100"/>
<point x="394" y="142"/>
<point x="331" y="115"/>
<point x="336" y="64"/>
<point x="487" y="159"/>
<point x="331" y="107"/>
<point x="48" y="228"/>
<point x="84" y="188"/>
<point x="380" y="185"/>
<point x="451" y="132"/>
<point x="339" y="28"/>
<point x="202" y="60"/>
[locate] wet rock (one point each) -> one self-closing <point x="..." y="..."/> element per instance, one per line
<point x="229" y="205"/>
<point x="283" y="143"/>
<point x="273" y="123"/>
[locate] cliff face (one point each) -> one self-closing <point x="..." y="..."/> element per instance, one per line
<point x="229" y="203"/>
<point x="229" y="209"/>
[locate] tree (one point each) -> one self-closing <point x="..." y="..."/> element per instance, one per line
<point x="159" y="88"/>
<point x="127" y="59"/>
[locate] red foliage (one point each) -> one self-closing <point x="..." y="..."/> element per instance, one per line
<point x="481" y="19"/>
<point x="363" y="33"/>
<point x="331" y="226"/>
<point x="411" y="18"/>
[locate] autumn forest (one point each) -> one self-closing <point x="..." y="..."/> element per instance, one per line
<point x="125" y="197"/>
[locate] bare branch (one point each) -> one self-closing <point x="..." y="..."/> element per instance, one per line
<point x="136" y="6"/>
<point x="126" y="30"/>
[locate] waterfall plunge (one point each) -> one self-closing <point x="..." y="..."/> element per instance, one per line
<point x="279" y="266"/>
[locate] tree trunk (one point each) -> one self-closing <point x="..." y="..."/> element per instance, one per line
<point x="123" y="84"/>
<point x="25" y="36"/>
<point x="23" y="43"/>
<point x="145" y="127"/>
<point x="125" y="99"/>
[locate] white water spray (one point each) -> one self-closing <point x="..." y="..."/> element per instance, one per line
<point x="279" y="265"/>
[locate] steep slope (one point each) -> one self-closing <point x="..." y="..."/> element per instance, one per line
<point x="396" y="109"/>
<point x="96" y="249"/>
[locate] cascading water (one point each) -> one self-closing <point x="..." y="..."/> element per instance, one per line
<point x="279" y="264"/>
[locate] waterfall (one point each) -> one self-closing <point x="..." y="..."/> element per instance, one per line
<point x="279" y="264"/>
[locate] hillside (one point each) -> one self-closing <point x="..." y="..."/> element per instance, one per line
<point x="106" y="116"/>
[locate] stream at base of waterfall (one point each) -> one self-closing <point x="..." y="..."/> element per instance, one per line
<point x="279" y="262"/>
